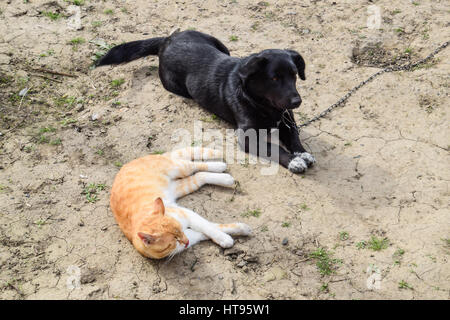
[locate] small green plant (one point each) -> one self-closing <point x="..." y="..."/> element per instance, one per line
<point x="118" y="164"/>
<point x="408" y="50"/>
<point x="398" y="254"/>
<point x="67" y="121"/>
<point x="286" y="224"/>
<point x="103" y="48"/>
<point x="65" y="101"/>
<point x="361" y="245"/>
<point x="404" y="285"/>
<point x="264" y="229"/>
<point x="158" y="152"/>
<point x="56" y="142"/>
<point x="325" y="264"/>
<point x="77" y="40"/>
<point x="51" y="15"/>
<point x="109" y="11"/>
<point x="96" y="24"/>
<point x="234" y="38"/>
<point x="343" y="235"/>
<point x="305" y="207"/>
<point x="253" y="213"/>
<point x="116" y="83"/>
<point x="76" y="2"/>
<point x="47" y="53"/>
<point x="46" y="129"/>
<point x="43" y="139"/>
<point x="91" y="191"/>
<point x="40" y="222"/>
<point x="324" y="287"/>
<point x="376" y="244"/>
<point x="100" y="152"/>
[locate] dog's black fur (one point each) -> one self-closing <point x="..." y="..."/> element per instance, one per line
<point x="256" y="92"/>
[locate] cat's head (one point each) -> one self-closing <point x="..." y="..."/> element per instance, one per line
<point x="158" y="235"/>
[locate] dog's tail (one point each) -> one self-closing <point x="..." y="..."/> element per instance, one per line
<point x="130" y="51"/>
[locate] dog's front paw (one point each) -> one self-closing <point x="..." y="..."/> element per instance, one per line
<point x="307" y="157"/>
<point x="297" y="165"/>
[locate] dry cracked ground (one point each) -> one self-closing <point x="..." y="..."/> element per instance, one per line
<point x="370" y="221"/>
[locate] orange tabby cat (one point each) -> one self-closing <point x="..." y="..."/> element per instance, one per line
<point x="143" y="199"/>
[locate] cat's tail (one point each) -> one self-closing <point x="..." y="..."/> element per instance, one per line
<point x="130" y="51"/>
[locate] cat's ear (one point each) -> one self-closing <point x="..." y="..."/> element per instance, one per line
<point x="146" y="238"/>
<point x="159" y="206"/>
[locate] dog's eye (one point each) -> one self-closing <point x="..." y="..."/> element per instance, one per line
<point x="274" y="79"/>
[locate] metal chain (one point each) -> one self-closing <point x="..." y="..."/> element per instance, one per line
<point x="343" y="100"/>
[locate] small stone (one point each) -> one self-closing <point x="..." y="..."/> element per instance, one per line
<point x="95" y="116"/>
<point x="251" y="259"/>
<point x="241" y="264"/>
<point x="23" y="92"/>
<point x="233" y="251"/>
<point x="306" y="31"/>
<point x="285" y="241"/>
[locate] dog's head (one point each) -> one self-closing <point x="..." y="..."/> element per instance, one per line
<point x="270" y="76"/>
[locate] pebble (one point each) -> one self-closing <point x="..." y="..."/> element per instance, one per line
<point x="95" y="116"/>
<point x="241" y="264"/>
<point x="285" y="241"/>
<point x="23" y="92"/>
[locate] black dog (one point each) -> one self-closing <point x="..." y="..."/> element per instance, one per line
<point x="256" y="92"/>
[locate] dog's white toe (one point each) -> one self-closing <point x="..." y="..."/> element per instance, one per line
<point x="307" y="157"/>
<point x="297" y="165"/>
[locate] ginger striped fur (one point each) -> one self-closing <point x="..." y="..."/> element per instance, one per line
<point x="143" y="201"/>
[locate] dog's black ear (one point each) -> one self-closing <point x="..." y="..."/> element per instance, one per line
<point x="251" y="66"/>
<point x="299" y="63"/>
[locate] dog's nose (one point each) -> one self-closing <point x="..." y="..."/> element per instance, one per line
<point x="295" y="102"/>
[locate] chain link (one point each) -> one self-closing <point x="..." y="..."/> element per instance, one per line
<point x="406" y="67"/>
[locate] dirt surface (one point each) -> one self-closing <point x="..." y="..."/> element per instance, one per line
<point x="376" y="205"/>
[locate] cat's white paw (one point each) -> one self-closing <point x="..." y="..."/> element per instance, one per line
<point x="297" y="165"/>
<point x="217" y="166"/>
<point x="244" y="229"/>
<point x="227" y="180"/>
<point x="307" y="157"/>
<point x="224" y="240"/>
